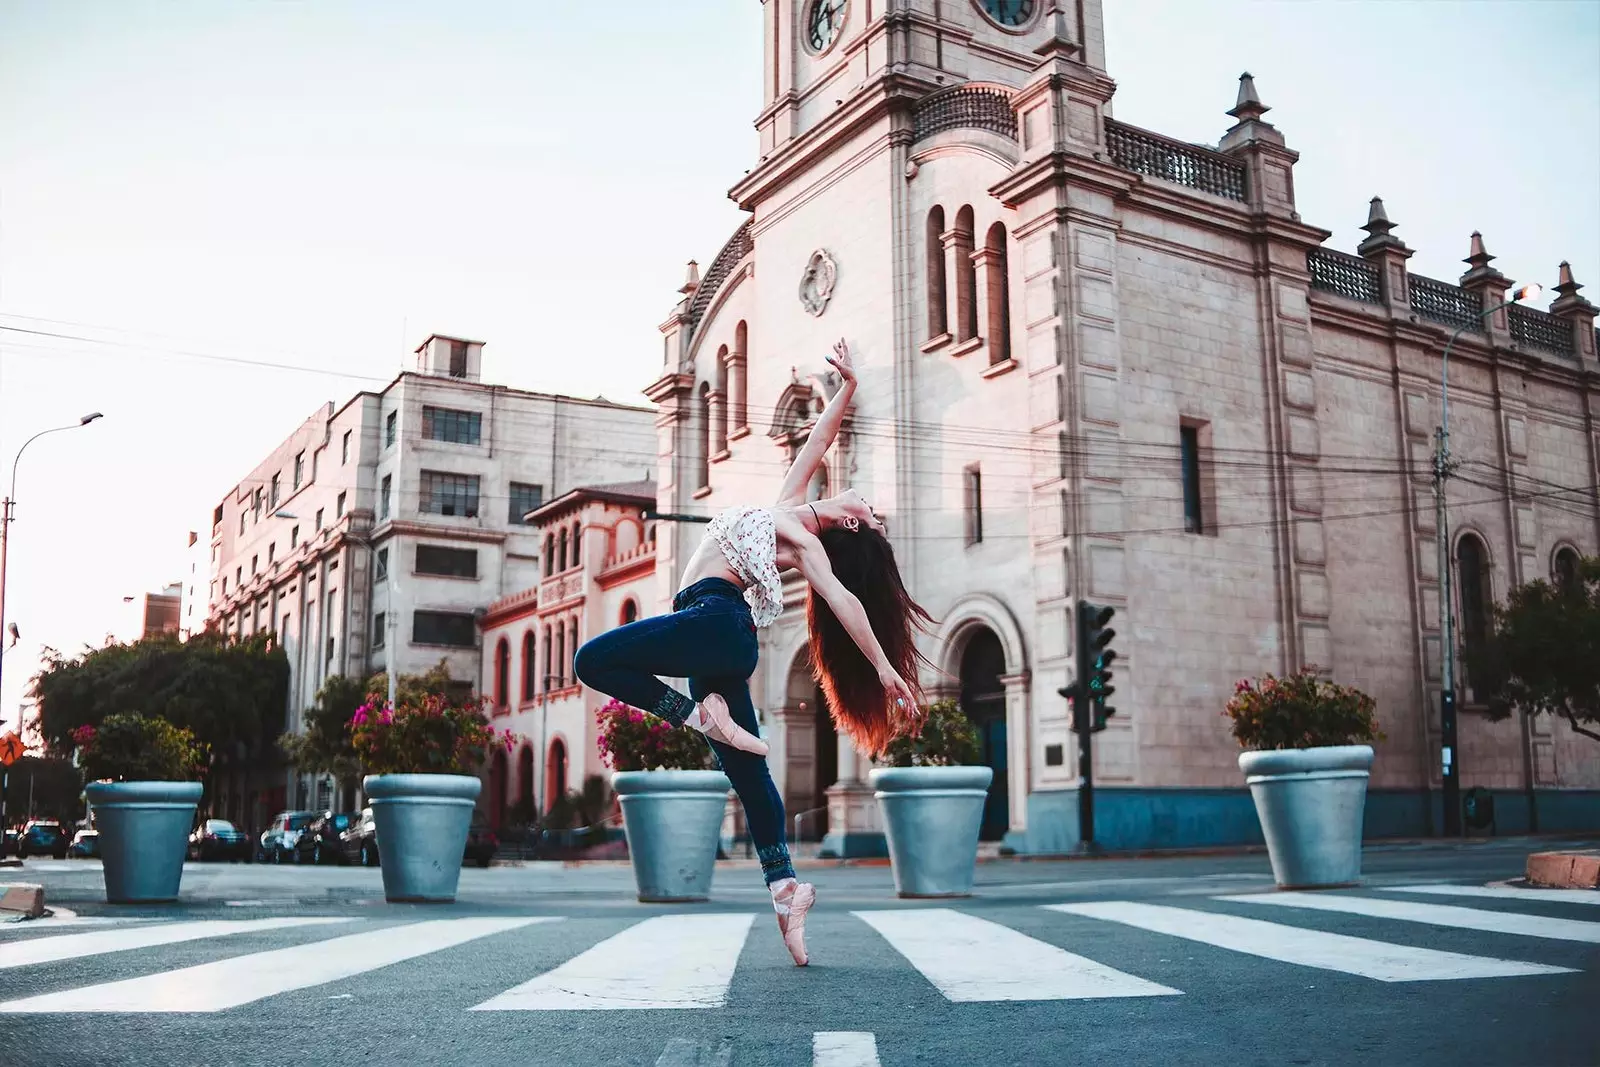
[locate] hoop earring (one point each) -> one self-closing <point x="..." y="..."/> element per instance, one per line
<point x="852" y="523"/>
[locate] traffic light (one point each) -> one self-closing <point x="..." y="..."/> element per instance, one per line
<point x="1080" y="706"/>
<point x="1095" y="656"/>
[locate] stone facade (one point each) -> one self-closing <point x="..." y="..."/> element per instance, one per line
<point x="385" y="528"/>
<point x="1099" y="363"/>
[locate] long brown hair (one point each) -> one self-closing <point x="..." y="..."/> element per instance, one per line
<point x="864" y="563"/>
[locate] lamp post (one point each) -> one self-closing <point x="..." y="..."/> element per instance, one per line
<point x="1450" y="766"/>
<point x="10" y="502"/>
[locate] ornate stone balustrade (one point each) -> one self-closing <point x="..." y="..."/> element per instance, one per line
<point x="1530" y="326"/>
<point x="1446" y="303"/>
<point x="1344" y="275"/>
<point x="1155" y="156"/>
<point x="965" y="106"/>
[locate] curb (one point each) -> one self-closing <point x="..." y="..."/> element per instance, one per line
<point x="1565" y="870"/>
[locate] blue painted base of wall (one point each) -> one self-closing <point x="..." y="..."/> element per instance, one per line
<point x="854" y="846"/>
<point x="1139" y="819"/>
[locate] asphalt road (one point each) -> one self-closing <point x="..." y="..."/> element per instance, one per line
<point x="1160" y="961"/>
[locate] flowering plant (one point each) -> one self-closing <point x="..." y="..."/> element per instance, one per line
<point x="947" y="739"/>
<point x="1303" y="710"/>
<point x="630" y="740"/>
<point x="434" y="736"/>
<point x="132" y="748"/>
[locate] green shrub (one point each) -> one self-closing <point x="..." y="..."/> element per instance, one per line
<point x="129" y="747"/>
<point x="947" y="739"/>
<point x="1303" y="710"/>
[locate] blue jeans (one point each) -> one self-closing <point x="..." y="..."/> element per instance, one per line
<point x="709" y="639"/>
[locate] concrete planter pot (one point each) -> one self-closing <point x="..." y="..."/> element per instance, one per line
<point x="1310" y="802"/>
<point x="931" y="816"/>
<point x="144" y="837"/>
<point x="421" y="822"/>
<point x="673" y="820"/>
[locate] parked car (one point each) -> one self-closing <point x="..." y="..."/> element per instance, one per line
<point x="319" y="842"/>
<point x="43" y="837"/>
<point x="219" y="839"/>
<point x="481" y="842"/>
<point x="278" y="840"/>
<point x="85" y="845"/>
<point x="359" y="842"/>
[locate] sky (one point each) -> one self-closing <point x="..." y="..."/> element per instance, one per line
<point x="186" y="184"/>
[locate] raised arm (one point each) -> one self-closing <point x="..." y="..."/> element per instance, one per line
<point x="823" y="433"/>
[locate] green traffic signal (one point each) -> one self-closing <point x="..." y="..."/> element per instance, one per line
<point x="1095" y="660"/>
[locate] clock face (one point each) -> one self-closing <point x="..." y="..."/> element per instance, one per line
<point x="1009" y="12"/>
<point x="824" y="20"/>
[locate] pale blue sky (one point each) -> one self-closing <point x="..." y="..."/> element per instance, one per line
<point x="326" y="183"/>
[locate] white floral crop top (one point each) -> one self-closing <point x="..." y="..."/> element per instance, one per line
<point x="749" y="541"/>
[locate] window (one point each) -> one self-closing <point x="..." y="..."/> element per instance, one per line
<point x="719" y="405"/>
<point x="549" y="556"/>
<point x="319" y="518"/>
<point x="560" y="680"/>
<point x="294" y="536"/>
<point x="254" y="560"/>
<point x="1189" y="443"/>
<point x="344" y="449"/>
<point x="383" y="496"/>
<point x="453" y="628"/>
<point x="277" y="489"/>
<point x="703" y="459"/>
<point x="577" y="544"/>
<point x="966" y="278"/>
<point x="547" y="659"/>
<point x="316" y="461"/>
<point x="561" y="550"/>
<point x="216" y="517"/>
<point x="449" y="494"/>
<point x="299" y="469"/>
<point x="449" y="562"/>
<point x="389" y="425"/>
<point x="256" y="503"/>
<point x="338" y="507"/>
<point x="502" y="672"/>
<point x="569" y="665"/>
<point x="997" y="288"/>
<point x="272" y="552"/>
<point x="241" y="523"/>
<point x="383" y="564"/>
<point x="224" y="585"/>
<point x="738" y="389"/>
<point x="630" y="611"/>
<point x="379" y="629"/>
<point x="1472" y="577"/>
<point x="238" y="577"/>
<point x="524" y="499"/>
<point x="1565" y="570"/>
<point x="938" y="310"/>
<point x="529" y="661"/>
<point x="458" y="359"/>
<point x="972" y="497"/>
<point x="447" y="424"/>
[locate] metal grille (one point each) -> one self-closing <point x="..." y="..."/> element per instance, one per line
<point x="1199" y="168"/>
<point x="1541" y="329"/>
<point x="1344" y="274"/>
<point x="1446" y="303"/>
<point x="964" y="106"/>
<point x="741" y="244"/>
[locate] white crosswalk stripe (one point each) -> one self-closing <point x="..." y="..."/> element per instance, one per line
<point x="1309" y="948"/>
<point x="1500" y="892"/>
<point x="671" y="961"/>
<point x="1496" y="922"/>
<point x="242" y="979"/>
<point x="973" y="960"/>
<point x="93" y="943"/>
<point x="843" y="1048"/>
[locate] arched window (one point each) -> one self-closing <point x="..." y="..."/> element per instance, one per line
<point x="577" y="544"/>
<point x="650" y="534"/>
<point x="719" y="405"/>
<point x="703" y="433"/>
<point x="525" y="783"/>
<point x="966" y="278"/>
<point x="561" y="656"/>
<point x="549" y="554"/>
<point x="555" y="773"/>
<point x="529" y="666"/>
<point x="630" y="611"/>
<point x="561" y="550"/>
<point x="1564" y="569"/>
<point x="547" y="653"/>
<point x="938" y="309"/>
<point x="738" y="376"/>
<point x="569" y="665"/>
<point x="502" y="672"/>
<point x="997" y="289"/>
<point x="1472" y="581"/>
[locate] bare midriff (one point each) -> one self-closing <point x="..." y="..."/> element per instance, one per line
<point x="708" y="562"/>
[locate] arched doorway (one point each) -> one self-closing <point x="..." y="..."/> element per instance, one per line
<point x="525" y="812"/>
<point x="555" y="773"/>
<point x="497" y="789"/>
<point x="983" y="700"/>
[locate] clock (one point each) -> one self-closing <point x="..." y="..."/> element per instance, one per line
<point x="824" y="20"/>
<point x="1008" y="12"/>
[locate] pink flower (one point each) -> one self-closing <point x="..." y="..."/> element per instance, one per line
<point x="360" y="717"/>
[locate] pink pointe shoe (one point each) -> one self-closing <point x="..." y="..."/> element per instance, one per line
<point x="793" y="923"/>
<point x="719" y="726"/>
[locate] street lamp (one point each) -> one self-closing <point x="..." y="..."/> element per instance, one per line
<point x="1441" y="471"/>
<point x="10" y="502"/>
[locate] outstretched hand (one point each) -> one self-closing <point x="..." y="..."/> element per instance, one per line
<point x="840" y="360"/>
<point x="903" y="708"/>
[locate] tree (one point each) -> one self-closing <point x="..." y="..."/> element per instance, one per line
<point x="230" y="693"/>
<point x="324" y="744"/>
<point x="55" y="786"/>
<point x="1542" y="654"/>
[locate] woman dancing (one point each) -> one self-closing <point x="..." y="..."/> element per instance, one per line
<point x="862" y="649"/>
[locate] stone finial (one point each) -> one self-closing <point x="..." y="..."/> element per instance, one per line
<point x="1061" y="40"/>
<point x="1377" y="218"/>
<point x="1565" y="285"/>
<point x="691" y="279"/>
<point x="1478" y="258"/>
<point x="1378" y="235"/>
<point x="1248" y="107"/>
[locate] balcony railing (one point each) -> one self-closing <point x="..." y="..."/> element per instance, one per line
<point x="1446" y="303"/>
<point x="964" y="106"/>
<point x="1199" y="168"/>
<point x="1530" y="326"/>
<point x="1344" y="275"/>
